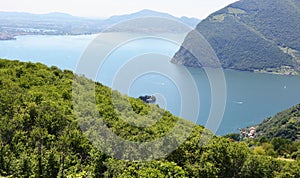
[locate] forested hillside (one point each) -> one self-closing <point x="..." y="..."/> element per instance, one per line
<point x="285" y="124"/>
<point x="40" y="134"/>
<point x="251" y="35"/>
<point x="276" y="136"/>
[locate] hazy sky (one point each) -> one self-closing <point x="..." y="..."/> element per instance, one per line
<point x="106" y="8"/>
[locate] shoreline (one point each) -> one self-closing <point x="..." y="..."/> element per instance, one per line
<point x="14" y="37"/>
<point x="283" y="70"/>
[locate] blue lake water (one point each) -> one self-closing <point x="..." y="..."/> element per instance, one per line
<point x="251" y="97"/>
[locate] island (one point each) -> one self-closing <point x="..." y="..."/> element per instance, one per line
<point x="148" y="98"/>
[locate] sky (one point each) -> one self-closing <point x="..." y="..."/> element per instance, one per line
<point x="106" y="8"/>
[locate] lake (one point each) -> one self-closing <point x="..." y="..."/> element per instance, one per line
<point x="251" y="97"/>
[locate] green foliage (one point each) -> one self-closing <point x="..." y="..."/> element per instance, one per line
<point x="260" y="166"/>
<point x="259" y="150"/>
<point x="250" y="35"/>
<point x="285" y="124"/>
<point x="226" y="156"/>
<point x="40" y="134"/>
<point x="269" y="150"/>
<point x="144" y="169"/>
<point x="290" y="169"/>
<point x="233" y="136"/>
<point x="278" y="136"/>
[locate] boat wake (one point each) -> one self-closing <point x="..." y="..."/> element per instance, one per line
<point x="238" y="102"/>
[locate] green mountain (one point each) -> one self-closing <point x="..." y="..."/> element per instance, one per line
<point x="46" y="123"/>
<point x="285" y="124"/>
<point x="250" y="35"/>
<point x="276" y="136"/>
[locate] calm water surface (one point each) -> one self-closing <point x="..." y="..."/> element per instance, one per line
<point x="251" y="97"/>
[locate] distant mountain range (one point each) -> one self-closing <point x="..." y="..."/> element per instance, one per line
<point x="19" y="23"/>
<point x="24" y="15"/>
<point x="252" y="35"/>
<point x="192" y="22"/>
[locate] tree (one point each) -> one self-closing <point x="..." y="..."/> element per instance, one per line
<point x="52" y="166"/>
<point x="259" y="166"/>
